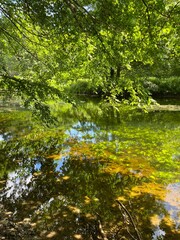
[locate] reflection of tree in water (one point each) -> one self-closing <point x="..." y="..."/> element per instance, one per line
<point x="75" y="201"/>
<point x="79" y="199"/>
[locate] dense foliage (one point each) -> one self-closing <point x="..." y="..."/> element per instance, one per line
<point x="48" y="46"/>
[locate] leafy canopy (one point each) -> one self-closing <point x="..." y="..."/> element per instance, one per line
<point x="48" y="45"/>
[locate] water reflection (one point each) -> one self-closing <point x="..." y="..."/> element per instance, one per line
<point x="1" y="137"/>
<point x="172" y="202"/>
<point x="171" y="216"/>
<point x="17" y="183"/>
<point x="158" y="234"/>
<point x="84" y="131"/>
<point x="67" y="180"/>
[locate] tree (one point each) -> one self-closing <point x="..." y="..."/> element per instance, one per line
<point x="54" y="43"/>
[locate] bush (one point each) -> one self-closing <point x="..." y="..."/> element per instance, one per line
<point x="163" y="86"/>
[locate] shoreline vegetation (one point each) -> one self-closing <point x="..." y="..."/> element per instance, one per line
<point x="158" y="87"/>
<point x="166" y="89"/>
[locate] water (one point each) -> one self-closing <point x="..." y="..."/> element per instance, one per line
<point x="67" y="179"/>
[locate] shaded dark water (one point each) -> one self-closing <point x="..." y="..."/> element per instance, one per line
<point x="67" y="179"/>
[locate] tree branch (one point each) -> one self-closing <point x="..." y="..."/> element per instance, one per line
<point x="148" y="17"/>
<point x="131" y="219"/>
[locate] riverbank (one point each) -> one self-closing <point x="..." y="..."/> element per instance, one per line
<point x="157" y="86"/>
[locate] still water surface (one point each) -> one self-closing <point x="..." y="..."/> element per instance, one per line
<point x="67" y="179"/>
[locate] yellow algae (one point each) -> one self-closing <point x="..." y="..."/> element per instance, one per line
<point x="65" y="177"/>
<point x="115" y="168"/>
<point x="87" y="200"/>
<point x="95" y="199"/>
<point x="55" y="156"/>
<point x="168" y="221"/>
<point x="74" y="209"/>
<point x="77" y="236"/>
<point x="121" y="198"/>
<point x="82" y="150"/>
<point x="139" y="167"/>
<point x="151" y="188"/>
<point x="37" y="174"/>
<point x="51" y="234"/>
<point x="155" y="220"/>
<point x="89" y="216"/>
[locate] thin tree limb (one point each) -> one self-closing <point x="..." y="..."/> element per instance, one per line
<point x="131" y="219"/>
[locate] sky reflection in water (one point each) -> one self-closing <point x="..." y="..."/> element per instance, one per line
<point x="22" y="181"/>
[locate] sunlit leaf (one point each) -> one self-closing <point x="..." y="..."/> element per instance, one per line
<point x="87" y="200"/>
<point x="51" y="234"/>
<point x="78" y="236"/>
<point x="65" y="177"/>
<point x="74" y="209"/>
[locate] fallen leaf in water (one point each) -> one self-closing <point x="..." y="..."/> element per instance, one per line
<point x="87" y="200"/>
<point x="51" y="234"/>
<point x="155" y="220"/>
<point x="65" y="177"/>
<point x="77" y="236"/>
<point x="37" y="174"/>
<point x="55" y="156"/>
<point x="74" y="209"/>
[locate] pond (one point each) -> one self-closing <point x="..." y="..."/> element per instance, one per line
<point x="97" y="174"/>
